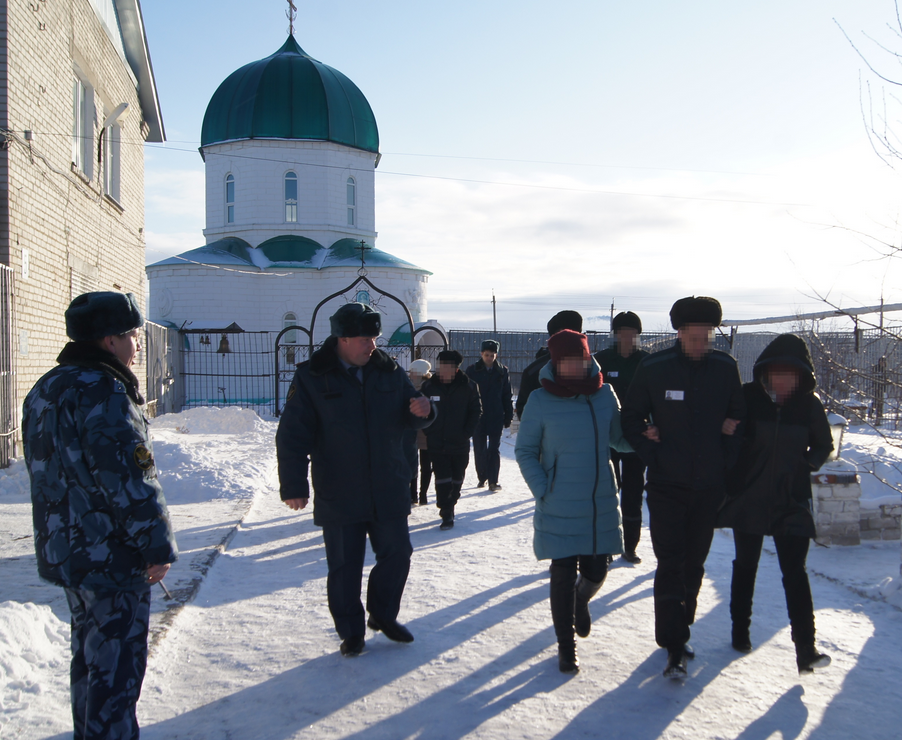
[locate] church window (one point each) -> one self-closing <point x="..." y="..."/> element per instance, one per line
<point x="230" y="199"/>
<point x="111" y="162"/>
<point x="352" y="202"/>
<point x="290" y="337"/>
<point x="291" y="197"/>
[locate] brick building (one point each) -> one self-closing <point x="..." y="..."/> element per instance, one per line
<point x="77" y="103"/>
<point x="290" y="148"/>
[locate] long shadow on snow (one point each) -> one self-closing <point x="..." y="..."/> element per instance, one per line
<point x="323" y="686"/>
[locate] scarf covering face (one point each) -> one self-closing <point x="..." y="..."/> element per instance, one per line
<point x="567" y="343"/>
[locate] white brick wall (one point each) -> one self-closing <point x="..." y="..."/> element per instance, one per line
<point x="63" y="220"/>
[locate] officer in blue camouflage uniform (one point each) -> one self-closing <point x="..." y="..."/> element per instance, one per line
<point x="101" y="527"/>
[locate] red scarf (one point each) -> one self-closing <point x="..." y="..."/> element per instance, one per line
<point x="571" y="388"/>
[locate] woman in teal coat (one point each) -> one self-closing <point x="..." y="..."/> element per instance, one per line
<point x="567" y="430"/>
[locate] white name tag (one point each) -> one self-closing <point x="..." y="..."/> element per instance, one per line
<point x="614" y="374"/>
<point x="674" y="395"/>
<point x="435" y="398"/>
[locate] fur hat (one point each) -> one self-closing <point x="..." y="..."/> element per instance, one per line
<point x="419" y="366"/>
<point x="103" y="314"/>
<point x="692" y="310"/>
<point x="356" y="320"/>
<point x="567" y="343"/>
<point x="628" y="320"/>
<point x="565" y="320"/>
<point x="450" y="357"/>
<point x="490" y="345"/>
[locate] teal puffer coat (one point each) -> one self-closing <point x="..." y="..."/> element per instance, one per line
<point x="563" y="451"/>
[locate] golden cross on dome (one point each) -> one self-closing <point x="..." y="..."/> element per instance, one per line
<point x="291" y="14"/>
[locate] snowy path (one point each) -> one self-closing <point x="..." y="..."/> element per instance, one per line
<point x="255" y="655"/>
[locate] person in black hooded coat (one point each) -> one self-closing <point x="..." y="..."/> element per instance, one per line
<point x="786" y="438"/>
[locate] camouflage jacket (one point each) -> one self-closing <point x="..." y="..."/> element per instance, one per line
<point x="100" y="518"/>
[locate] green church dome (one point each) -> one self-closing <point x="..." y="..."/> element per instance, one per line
<point x="290" y="95"/>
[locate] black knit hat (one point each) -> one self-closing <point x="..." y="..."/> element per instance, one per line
<point x="450" y="357"/>
<point x="626" y="319"/>
<point x="103" y="314"/>
<point x="565" y="320"/>
<point x="490" y="345"/>
<point x="696" y="310"/>
<point x="356" y="320"/>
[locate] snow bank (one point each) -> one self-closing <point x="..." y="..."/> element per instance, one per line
<point x="209" y="420"/>
<point x="878" y="460"/>
<point x="14" y="480"/>
<point x="34" y="657"/>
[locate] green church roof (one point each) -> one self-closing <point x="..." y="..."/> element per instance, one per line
<point x="290" y="95"/>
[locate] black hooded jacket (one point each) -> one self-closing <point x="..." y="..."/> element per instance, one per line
<point x="458" y="413"/>
<point x="351" y="434"/>
<point x="769" y="490"/>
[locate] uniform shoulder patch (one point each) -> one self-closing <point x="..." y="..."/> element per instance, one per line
<point x="143" y="457"/>
<point x="292" y="389"/>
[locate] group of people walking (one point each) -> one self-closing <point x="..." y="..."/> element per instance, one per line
<point x="708" y="451"/>
<point x="713" y="453"/>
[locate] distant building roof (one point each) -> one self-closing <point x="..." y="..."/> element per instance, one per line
<point x="290" y="95"/>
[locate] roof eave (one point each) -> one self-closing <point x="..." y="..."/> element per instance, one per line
<point x="137" y="52"/>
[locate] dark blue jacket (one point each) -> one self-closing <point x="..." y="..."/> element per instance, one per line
<point x="458" y="414"/>
<point x="495" y="393"/>
<point x="100" y="518"/>
<point x="688" y="402"/>
<point x="351" y="436"/>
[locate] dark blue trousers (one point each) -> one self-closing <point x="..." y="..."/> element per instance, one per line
<point x="345" y="552"/>
<point x="109" y="657"/>
<point x="487" y="451"/>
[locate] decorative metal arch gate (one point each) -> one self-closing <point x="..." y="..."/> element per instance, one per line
<point x="290" y="354"/>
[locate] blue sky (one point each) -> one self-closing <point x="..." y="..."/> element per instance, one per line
<point x="571" y="154"/>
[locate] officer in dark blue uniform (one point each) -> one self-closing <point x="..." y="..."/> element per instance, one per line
<point x="101" y="526"/>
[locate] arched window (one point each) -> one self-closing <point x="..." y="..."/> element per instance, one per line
<point x="291" y="197"/>
<point x="230" y="199"/>
<point x="352" y="202"/>
<point x="290" y="337"/>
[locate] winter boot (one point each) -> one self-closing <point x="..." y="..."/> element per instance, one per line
<point x="632" y="530"/>
<point x="742" y="589"/>
<point x="676" y="663"/>
<point x="808" y="658"/>
<point x="423" y="500"/>
<point x="585" y="590"/>
<point x="563" y="593"/>
<point x="447" y="515"/>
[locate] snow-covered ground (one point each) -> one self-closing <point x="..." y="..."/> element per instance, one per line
<point x="254" y="654"/>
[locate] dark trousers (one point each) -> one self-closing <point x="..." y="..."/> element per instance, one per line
<point x="486" y="451"/>
<point x="449" y="471"/>
<point x="109" y="658"/>
<point x="682" y="527"/>
<point x="345" y="552"/>
<point x="792" y="554"/>
<point x="630" y="472"/>
<point x="425" y="476"/>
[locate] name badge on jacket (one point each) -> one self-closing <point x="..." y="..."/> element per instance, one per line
<point x="435" y="398"/>
<point x="614" y="374"/>
<point x="674" y="395"/>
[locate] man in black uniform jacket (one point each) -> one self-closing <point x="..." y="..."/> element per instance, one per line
<point x="618" y="365"/>
<point x="347" y="409"/>
<point x="688" y="398"/>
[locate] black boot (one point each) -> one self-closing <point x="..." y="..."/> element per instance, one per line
<point x="585" y="590"/>
<point x="632" y="530"/>
<point x="808" y="658"/>
<point x="742" y="589"/>
<point x="563" y="593"/>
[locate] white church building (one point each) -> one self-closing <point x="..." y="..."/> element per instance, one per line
<point x="290" y="147"/>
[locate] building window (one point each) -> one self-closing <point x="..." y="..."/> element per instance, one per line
<point x="352" y="202"/>
<point x="230" y="199"/>
<point x="82" y="126"/>
<point x="291" y="197"/>
<point x="111" y="162"/>
<point x="290" y="337"/>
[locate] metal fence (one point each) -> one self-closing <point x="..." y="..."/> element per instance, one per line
<point x="8" y="410"/>
<point x="859" y="373"/>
